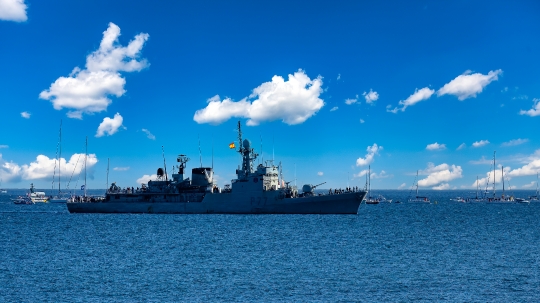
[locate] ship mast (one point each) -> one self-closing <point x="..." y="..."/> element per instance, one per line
<point x="85" y="158"/>
<point x="59" y="157"/>
<point x="494" y="174"/>
<point x="417" y="183"/>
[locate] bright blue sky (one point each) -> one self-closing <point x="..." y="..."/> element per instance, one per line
<point x="327" y="54"/>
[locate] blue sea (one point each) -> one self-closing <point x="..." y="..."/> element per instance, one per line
<point x="444" y="251"/>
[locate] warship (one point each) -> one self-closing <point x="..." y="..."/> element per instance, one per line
<point x="256" y="190"/>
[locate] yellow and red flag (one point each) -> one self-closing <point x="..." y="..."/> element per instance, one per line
<point x="231" y="146"/>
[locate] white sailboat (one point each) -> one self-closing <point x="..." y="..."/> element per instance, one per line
<point x="503" y="198"/>
<point x="60" y="197"/>
<point x="369" y="198"/>
<point x="417" y="198"/>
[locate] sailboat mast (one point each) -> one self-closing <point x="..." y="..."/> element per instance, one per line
<point x="417" y="184"/>
<point x="60" y="157"/>
<point x="494" y="174"/>
<point x="85" y="158"/>
<point x="369" y="178"/>
<point x="476" y="187"/>
<point x="107" y="180"/>
<point x="502" y="179"/>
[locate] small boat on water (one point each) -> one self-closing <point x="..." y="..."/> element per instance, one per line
<point x="369" y="199"/>
<point x="22" y="200"/>
<point x="503" y="199"/>
<point x="37" y="196"/>
<point x="417" y="198"/>
<point x="60" y="197"/>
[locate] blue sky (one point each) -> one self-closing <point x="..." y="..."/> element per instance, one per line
<point x="328" y="87"/>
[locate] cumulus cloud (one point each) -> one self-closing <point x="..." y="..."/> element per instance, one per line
<point x="439" y="174"/>
<point x="88" y="90"/>
<point x="530" y="185"/>
<point x="436" y="146"/>
<point x="145" y="178"/>
<point x="402" y="186"/>
<point x="480" y="143"/>
<point x="515" y="142"/>
<point x="461" y="146"/>
<point x="13" y="10"/>
<point x="419" y="95"/>
<point x="468" y="84"/>
<point x="149" y="135"/>
<point x="488" y="180"/>
<point x="292" y="101"/>
<point x="334" y="108"/>
<point x="44" y="168"/>
<point x="320" y="173"/>
<point x="534" y="111"/>
<point x="382" y="175"/>
<point x="442" y="186"/>
<point x="532" y="167"/>
<point x="121" y="168"/>
<point x="370" y="96"/>
<point x="338" y="76"/>
<point x="109" y="126"/>
<point x="362" y="121"/>
<point x="482" y="160"/>
<point x="351" y="101"/>
<point x="371" y="152"/>
<point x="3" y="146"/>
<point x="26" y="115"/>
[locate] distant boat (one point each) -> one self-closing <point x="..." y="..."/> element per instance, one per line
<point x="369" y="199"/>
<point x="22" y="200"/>
<point x="417" y="198"/>
<point x="60" y="197"/>
<point x="503" y="198"/>
<point x="2" y="191"/>
<point x="37" y="196"/>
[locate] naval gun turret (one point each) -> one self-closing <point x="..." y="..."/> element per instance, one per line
<point x="308" y="189"/>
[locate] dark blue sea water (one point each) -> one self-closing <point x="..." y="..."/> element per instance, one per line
<point x="447" y="251"/>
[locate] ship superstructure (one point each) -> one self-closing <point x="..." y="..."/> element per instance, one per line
<point x="256" y="190"/>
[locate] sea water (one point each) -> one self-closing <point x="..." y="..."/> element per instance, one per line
<point x="443" y="251"/>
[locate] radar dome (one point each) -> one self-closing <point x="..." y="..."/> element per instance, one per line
<point x="246" y="143"/>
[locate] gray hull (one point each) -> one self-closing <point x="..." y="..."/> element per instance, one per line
<point x="228" y="203"/>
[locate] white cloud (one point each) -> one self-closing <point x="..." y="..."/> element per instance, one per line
<point x="402" y="186"/>
<point x="334" y="108"/>
<point x="515" y="142"/>
<point x="351" y="101"/>
<point x="320" y="173"/>
<point x="436" y="146"/>
<point x="13" y="10"/>
<point x="442" y="186"/>
<point x="362" y="121"/>
<point x="149" y="134"/>
<point x="3" y="146"/>
<point x="531" y="168"/>
<point x="26" y="115"/>
<point x="87" y="90"/>
<point x="109" y="126"/>
<point x="382" y="175"/>
<point x="338" y="76"/>
<point x="293" y="101"/>
<point x="43" y="168"/>
<point x="489" y="178"/>
<point x="370" y="97"/>
<point x="482" y="160"/>
<point x="534" y="111"/>
<point x="419" y="95"/>
<point x="371" y="152"/>
<point x="121" y="168"/>
<point x="468" y="85"/>
<point x="461" y="146"/>
<point x="480" y="143"/>
<point x="439" y="174"/>
<point x="530" y="185"/>
<point x="145" y="178"/>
